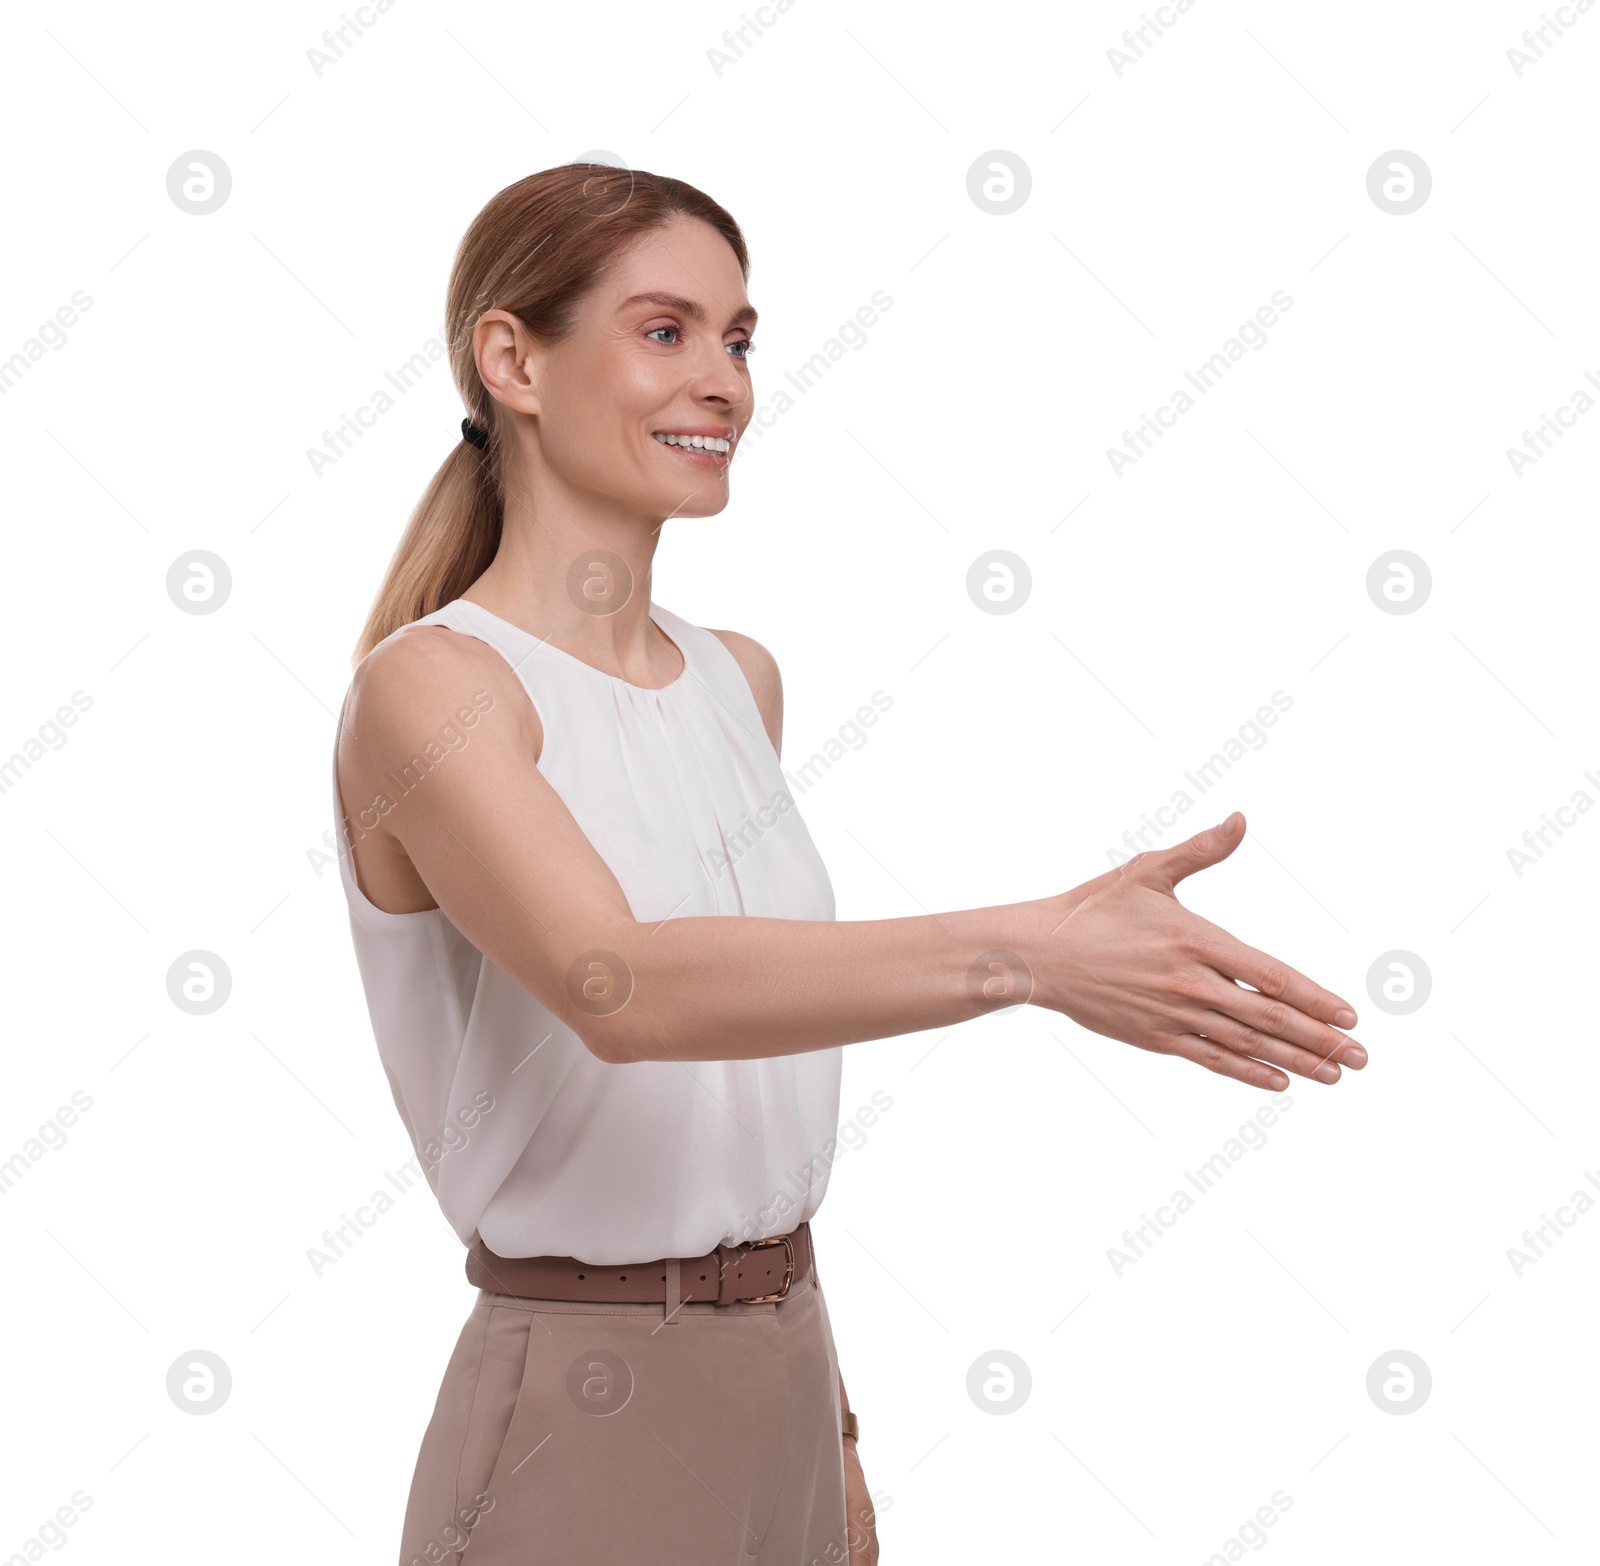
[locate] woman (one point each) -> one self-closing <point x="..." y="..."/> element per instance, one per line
<point x="599" y="946"/>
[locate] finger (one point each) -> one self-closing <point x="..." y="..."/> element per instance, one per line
<point x="1245" y="1040"/>
<point x="1276" y="980"/>
<point x="1216" y="1057"/>
<point x="1165" y="867"/>
<point x="1260" y="1019"/>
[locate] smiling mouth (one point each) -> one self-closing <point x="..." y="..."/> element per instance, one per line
<point x="702" y="451"/>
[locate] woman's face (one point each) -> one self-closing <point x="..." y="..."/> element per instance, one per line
<point x="638" y="367"/>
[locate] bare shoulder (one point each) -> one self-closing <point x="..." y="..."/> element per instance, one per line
<point x="766" y="684"/>
<point x="421" y="687"/>
<point x="760" y="667"/>
<point x="413" y="700"/>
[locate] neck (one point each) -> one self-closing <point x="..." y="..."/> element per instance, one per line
<point x="577" y="572"/>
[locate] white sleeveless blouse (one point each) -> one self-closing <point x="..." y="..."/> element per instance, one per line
<point x="527" y="1139"/>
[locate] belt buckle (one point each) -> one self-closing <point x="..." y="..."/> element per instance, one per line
<point x="787" y="1242"/>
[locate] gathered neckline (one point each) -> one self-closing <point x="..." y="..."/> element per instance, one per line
<point x="560" y="652"/>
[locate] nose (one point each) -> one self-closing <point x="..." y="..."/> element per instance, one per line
<point x="717" y="377"/>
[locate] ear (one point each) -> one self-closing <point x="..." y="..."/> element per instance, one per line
<point x="509" y="359"/>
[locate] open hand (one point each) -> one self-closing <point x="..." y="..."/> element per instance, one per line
<point x="1122" y="956"/>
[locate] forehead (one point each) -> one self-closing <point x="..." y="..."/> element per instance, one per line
<point x="687" y="261"/>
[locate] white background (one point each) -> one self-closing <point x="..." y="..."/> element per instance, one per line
<point x="184" y="808"/>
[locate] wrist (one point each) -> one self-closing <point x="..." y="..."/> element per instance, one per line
<point x="1018" y="940"/>
<point x="986" y="956"/>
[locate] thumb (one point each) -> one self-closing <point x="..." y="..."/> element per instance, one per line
<point x="1199" y="852"/>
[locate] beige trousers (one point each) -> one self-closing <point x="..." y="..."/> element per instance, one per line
<point x="611" y="1435"/>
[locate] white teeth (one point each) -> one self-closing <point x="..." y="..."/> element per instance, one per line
<point x="696" y="442"/>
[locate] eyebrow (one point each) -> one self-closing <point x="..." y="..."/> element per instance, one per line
<point x="744" y="317"/>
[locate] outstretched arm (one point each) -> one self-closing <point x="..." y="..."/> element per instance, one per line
<point x="496" y="847"/>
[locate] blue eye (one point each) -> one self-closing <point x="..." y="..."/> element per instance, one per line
<point x="745" y="343"/>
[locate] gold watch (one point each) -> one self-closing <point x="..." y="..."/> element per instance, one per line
<point x="849" y="1425"/>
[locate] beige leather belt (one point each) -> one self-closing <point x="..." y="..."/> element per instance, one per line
<point x="750" y="1274"/>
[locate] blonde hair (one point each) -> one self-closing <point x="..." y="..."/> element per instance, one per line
<point x="535" y="250"/>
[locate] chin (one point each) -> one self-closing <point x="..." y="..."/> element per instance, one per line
<point x="704" y="501"/>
